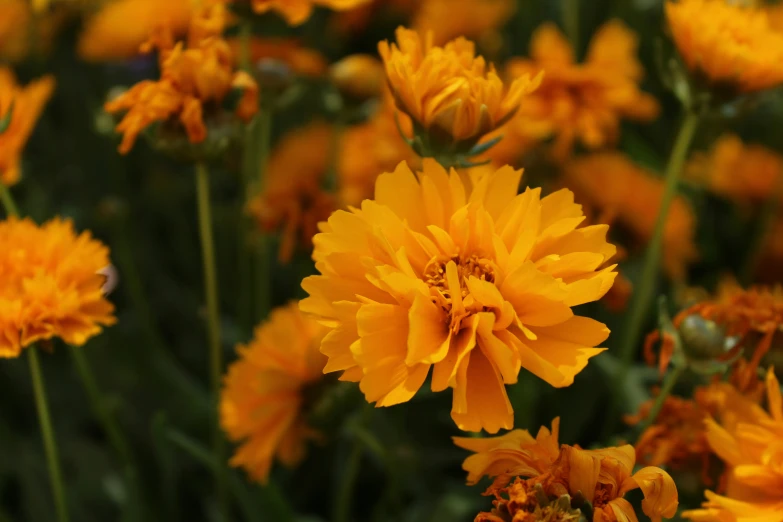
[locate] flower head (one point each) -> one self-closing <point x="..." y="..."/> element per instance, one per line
<point x="262" y="404"/>
<point x="451" y="93"/>
<point x="20" y="108"/>
<point x="580" y="102"/>
<point x="461" y="275"/>
<point x="108" y="35"/>
<point x="726" y="45"/>
<point x="195" y="79"/>
<point x="296" y="12"/>
<point x="51" y="285"/>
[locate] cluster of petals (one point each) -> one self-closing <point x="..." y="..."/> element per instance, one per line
<point x="601" y="477"/>
<point x="51" y="285"/>
<point x="459" y="274"/>
<point x="449" y="91"/>
<point x="730" y="44"/>
<point x="578" y="102"/>
<point x="296" y="12"/>
<point x="20" y="108"/>
<point x="262" y="402"/>
<point x="194" y="78"/>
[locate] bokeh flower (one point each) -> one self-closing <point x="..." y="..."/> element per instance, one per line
<point x="620" y="193"/>
<point x="461" y="275"/>
<point x="477" y="20"/>
<point x="359" y="76"/>
<point x="728" y="46"/>
<point x="195" y="79"/>
<point x="263" y="402"/>
<point x="579" y="102"/>
<point x="20" y="108"/>
<point x="290" y="52"/>
<point x="750" y="442"/>
<point x="120" y="27"/>
<point x="51" y="285"/>
<point x="15" y="19"/>
<point x="296" y="12"/>
<point x="453" y="95"/>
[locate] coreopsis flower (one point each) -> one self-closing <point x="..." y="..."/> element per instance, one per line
<point x="579" y="102"/>
<point x="451" y="94"/>
<point x="478" y="20"/>
<point x="120" y="27"/>
<point x="263" y="403"/>
<point x="359" y="76"/>
<point x="727" y="46"/>
<point x="296" y="12"/>
<point x="195" y="80"/>
<point x="599" y="477"/>
<point x="20" y="108"/>
<point x="747" y="174"/>
<point x="52" y="285"/>
<point x="461" y="275"/>
<point x="750" y="442"/>
<point x="624" y="194"/>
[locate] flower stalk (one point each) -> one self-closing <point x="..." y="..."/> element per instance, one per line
<point x="668" y="385"/>
<point x="8" y="201"/>
<point x="263" y="270"/>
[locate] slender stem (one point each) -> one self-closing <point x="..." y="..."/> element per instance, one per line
<point x="571" y="23"/>
<point x="263" y="269"/>
<point x="213" y="320"/>
<point x="342" y="508"/>
<point x="47" y="432"/>
<point x="8" y="201"/>
<point x="245" y="33"/>
<point x="668" y="386"/>
<point x="766" y="219"/>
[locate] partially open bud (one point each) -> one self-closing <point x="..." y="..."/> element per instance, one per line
<point x="359" y="76"/>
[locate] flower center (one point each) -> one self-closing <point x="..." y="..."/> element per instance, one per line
<point x="448" y="278"/>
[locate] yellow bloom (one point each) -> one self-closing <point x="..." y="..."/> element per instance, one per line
<point x="730" y="46"/>
<point x="192" y="79"/>
<point x="51" y="286"/>
<point x="449" y="91"/>
<point x="119" y="29"/>
<point x="20" y="107"/>
<point x="262" y="404"/>
<point x="751" y="445"/>
<point x="473" y="19"/>
<point x="619" y="191"/>
<point x="584" y="102"/>
<point x="462" y="275"/>
<point x="297" y="12"/>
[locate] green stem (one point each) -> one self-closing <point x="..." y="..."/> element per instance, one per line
<point x="666" y="389"/>
<point x="213" y="320"/>
<point x="8" y="201"/>
<point x="47" y="432"/>
<point x="571" y="23"/>
<point x="342" y="508"/>
<point x="245" y="33"/>
<point x="262" y="261"/>
<point x="766" y="220"/>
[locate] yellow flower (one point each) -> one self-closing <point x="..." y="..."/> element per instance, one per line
<point x="192" y="77"/>
<point x="119" y="29"/>
<point x="729" y="46"/>
<point x="297" y="12"/>
<point x="576" y="102"/>
<point x="751" y="445"/>
<point x="747" y="174"/>
<point x="473" y="19"/>
<point x="20" y="108"/>
<point x="449" y="91"/>
<point x="51" y="286"/>
<point x="263" y="403"/>
<point x="618" y="191"/>
<point x="460" y="274"/>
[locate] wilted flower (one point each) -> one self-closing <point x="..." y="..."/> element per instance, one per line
<point x="52" y="285"/>
<point x="263" y="402"/>
<point x="460" y="274"/>
<point x="194" y="80"/>
<point x="297" y="12"/>
<point x="474" y="19"/>
<point x="120" y="27"/>
<point x="725" y="45"/>
<point x="582" y="103"/>
<point x="452" y="95"/>
<point x="526" y="501"/>
<point x="623" y="194"/>
<point x="20" y="108"/>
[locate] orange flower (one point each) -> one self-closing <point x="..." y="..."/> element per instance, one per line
<point x="20" y="108"/>
<point x="526" y="501"/>
<point x="359" y="76"/>
<point x="623" y="193"/>
<point x="730" y="46"/>
<point x="51" y="286"/>
<point x="193" y="79"/>
<point x="118" y="30"/>
<point x="451" y="93"/>
<point x="473" y="19"/>
<point x="263" y="404"/>
<point x="296" y="12"/>
<point x="15" y="19"/>
<point x="747" y="174"/>
<point x="584" y="102"/>
<point x="293" y="197"/>
<point x="751" y="445"/>
<point x="460" y="274"/>
<point x="289" y="51"/>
